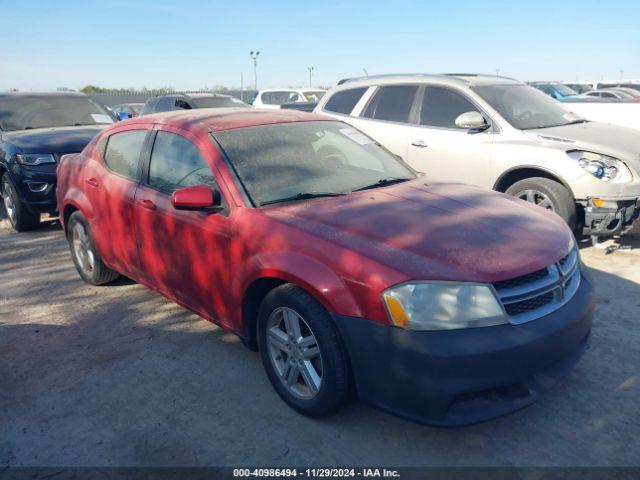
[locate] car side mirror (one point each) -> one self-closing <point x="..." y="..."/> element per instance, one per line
<point x="199" y="197"/>
<point x="472" y="121"/>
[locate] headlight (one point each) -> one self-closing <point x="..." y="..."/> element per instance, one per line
<point x="603" y="167"/>
<point x="443" y="306"/>
<point x="32" y="159"/>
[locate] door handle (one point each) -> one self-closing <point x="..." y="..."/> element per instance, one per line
<point x="148" y="204"/>
<point x="419" y="143"/>
<point x="92" y="182"/>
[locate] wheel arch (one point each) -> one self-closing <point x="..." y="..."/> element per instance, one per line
<point x="522" y="172"/>
<point x="251" y="301"/>
<point x="279" y="268"/>
<point x="66" y="213"/>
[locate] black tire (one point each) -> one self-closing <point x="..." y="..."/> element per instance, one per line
<point x="336" y="375"/>
<point x="22" y="219"/>
<point x="562" y="202"/>
<point x="99" y="273"/>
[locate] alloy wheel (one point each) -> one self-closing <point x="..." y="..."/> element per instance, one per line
<point x="294" y="353"/>
<point x="82" y="248"/>
<point x="9" y="200"/>
<point x="536" y="197"/>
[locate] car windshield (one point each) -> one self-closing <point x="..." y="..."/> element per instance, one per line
<point x="319" y="158"/>
<point x="23" y="112"/>
<point x="525" y="107"/>
<point x="564" y="90"/>
<point x="313" y="95"/>
<point x="280" y="97"/>
<point x="218" y="102"/>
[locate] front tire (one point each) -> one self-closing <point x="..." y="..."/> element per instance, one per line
<point x="548" y="194"/>
<point x="85" y="255"/>
<point x="21" y="219"/>
<point x="302" y="352"/>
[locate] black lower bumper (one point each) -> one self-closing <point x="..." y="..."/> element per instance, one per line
<point x="610" y="221"/>
<point x="36" y="188"/>
<point x="459" y="377"/>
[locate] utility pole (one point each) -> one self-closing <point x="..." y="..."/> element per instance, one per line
<point x="254" y="57"/>
<point x="311" y="69"/>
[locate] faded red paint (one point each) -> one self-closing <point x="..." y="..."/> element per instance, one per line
<point x="342" y="250"/>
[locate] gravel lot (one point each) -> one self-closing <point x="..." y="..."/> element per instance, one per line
<point x="119" y="376"/>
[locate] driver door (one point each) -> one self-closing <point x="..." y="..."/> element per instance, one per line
<point x="442" y="150"/>
<point x="183" y="253"/>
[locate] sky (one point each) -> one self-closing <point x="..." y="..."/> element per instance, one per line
<point x="193" y="44"/>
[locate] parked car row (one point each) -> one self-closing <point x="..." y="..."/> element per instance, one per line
<point x="343" y="244"/>
<point x="561" y="91"/>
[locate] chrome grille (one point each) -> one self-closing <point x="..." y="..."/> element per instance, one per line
<point x="537" y="294"/>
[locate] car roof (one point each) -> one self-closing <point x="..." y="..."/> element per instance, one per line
<point x="281" y="90"/>
<point x="42" y="94"/>
<point x="191" y="95"/>
<point x="219" y="119"/>
<point x="460" y="79"/>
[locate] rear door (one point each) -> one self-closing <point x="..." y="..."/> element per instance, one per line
<point x="444" y="151"/>
<point x="110" y="183"/>
<point x="183" y="253"/>
<point x="386" y="116"/>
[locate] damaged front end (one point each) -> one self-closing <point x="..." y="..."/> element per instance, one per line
<point x="604" y="217"/>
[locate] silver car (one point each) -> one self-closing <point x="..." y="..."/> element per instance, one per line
<point x="501" y="134"/>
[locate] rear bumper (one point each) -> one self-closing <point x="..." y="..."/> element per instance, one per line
<point x="618" y="217"/>
<point x="459" y="377"/>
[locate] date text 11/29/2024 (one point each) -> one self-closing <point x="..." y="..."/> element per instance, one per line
<point x="316" y="472"/>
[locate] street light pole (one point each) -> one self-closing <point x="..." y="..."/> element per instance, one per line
<point x="254" y="57"/>
<point x="311" y="69"/>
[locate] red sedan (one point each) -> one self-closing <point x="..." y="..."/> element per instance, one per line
<point x="440" y="302"/>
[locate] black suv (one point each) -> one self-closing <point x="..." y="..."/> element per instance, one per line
<point x="184" y="101"/>
<point x="35" y="130"/>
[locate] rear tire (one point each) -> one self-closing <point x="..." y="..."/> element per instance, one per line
<point x="549" y="194"/>
<point x="306" y="364"/>
<point x="85" y="255"/>
<point x="20" y="217"/>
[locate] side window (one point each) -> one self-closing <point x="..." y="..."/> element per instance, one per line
<point x="164" y="104"/>
<point x="345" y="100"/>
<point x="441" y="107"/>
<point x="177" y="163"/>
<point x="122" y="153"/>
<point x="392" y="103"/>
<point x="181" y="104"/>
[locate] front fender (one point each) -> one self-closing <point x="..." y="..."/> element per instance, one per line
<point x="313" y="276"/>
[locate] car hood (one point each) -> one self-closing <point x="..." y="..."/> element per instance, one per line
<point x="612" y="140"/>
<point x="436" y="231"/>
<point x="53" y="140"/>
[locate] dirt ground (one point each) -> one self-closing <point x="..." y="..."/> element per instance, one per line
<point x="119" y="376"/>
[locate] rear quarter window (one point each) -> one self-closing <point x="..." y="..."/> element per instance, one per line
<point x="122" y="153"/>
<point x="345" y="100"/>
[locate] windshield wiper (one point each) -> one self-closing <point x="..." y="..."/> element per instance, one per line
<point x="302" y="196"/>
<point x="382" y="182"/>
<point x="573" y="122"/>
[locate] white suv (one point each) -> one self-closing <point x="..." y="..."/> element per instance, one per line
<point x="499" y="133"/>
<point x="274" y="98"/>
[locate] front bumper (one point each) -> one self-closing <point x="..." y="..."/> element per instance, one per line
<point x="36" y="187"/>
<point x="459" y="377"/>
<point x="616" y="216"/>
